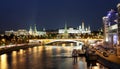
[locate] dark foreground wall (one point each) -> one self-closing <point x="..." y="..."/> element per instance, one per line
<point x="109" y="64"/>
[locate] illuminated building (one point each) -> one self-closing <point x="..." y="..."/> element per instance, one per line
<point x="22" y="32"/>
<point x="8" y="33"/>
<point x="118" y="47"/>
<point x="17" y="33"/>
<point x="118" y="6"/>
<point x="79" y="30"/>
<point x="35" y="32"/>
<point x="105" y="21"/>
<point x="110" y="28"/>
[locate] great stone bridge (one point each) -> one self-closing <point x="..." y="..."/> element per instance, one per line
<point x="47" y="41"/>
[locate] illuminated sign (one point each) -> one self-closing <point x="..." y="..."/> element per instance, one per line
<point x="113" y="27"/>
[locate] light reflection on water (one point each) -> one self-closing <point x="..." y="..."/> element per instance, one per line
<point x="21" y="51"/>
<point x="42" y="57"/>
<point x="14" y="57"/>
<point x="3" y="62"/>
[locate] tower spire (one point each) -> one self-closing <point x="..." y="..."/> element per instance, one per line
<point x="35" y="29"/>
<point x="30" y="30"/>
<point x="89" y="28"/>
<point x="82" y="25"/>
<point x="65" y="27"/>
<point x="65" y="34"/>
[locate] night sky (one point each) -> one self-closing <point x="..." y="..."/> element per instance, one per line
<point x="52" y="14"/>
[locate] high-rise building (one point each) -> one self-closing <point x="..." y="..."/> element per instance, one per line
<point x="105" y="23"/>
<point x="110" y="28"/>
<point x="118" y="47"/>
<point x="118" y="6"/>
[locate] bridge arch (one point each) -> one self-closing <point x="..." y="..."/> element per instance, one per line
<point x="69" y="41"/>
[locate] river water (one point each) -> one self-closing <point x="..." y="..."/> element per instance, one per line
<point x="45" y="57"/>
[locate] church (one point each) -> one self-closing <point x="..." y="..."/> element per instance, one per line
<point x="80" y="30"/>
<point x="35" y="32"/>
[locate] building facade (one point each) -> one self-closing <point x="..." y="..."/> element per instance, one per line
<point x="118" y="7"/>
<point x="111" y="28"/>
<point x="33" y="32"/>
<point x="106" y="26"/>
<point x="118" y="48"/>
<point x="79" y="30"/>
<point x="17" y="33"/>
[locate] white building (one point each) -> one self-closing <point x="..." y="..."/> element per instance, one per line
<point x="17" y="33"/>
<point x="31" y="31"/>
<point x="35" y="32"/>
<point x="79" y="30"/>
<point x="8" y="33"/>
<point x="106" y="27"/>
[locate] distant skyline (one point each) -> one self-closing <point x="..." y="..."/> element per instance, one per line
<point x="52" y="14"/>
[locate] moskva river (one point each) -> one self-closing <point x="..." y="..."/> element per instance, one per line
<point x="45" y="57"/>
